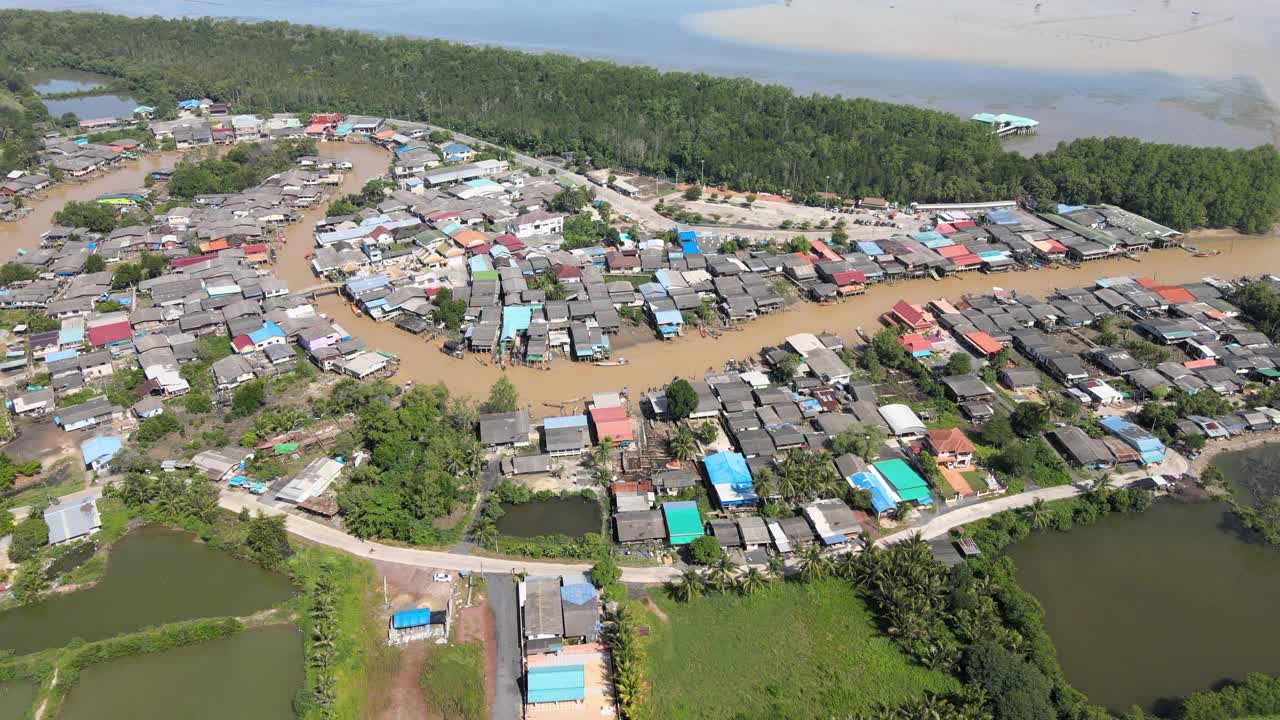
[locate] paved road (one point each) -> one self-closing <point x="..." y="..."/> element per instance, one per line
<point x="503" y="605"/>
<point x="1174" y="464"/>
<point x="323" y="534"/>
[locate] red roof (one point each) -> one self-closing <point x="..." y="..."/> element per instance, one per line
<point x="915" y="342"/>
<point x="444" y="215"/>
<point x="254" y="248"/>
<point x="317" y="128"/>
<point x="966" y="260"/>
<point x="566" y="272"/>
<point x="1197" y="364"/>
<point x="191" y="260"/>
<point x="952" y="251"/>
<point x="945" y="228"/>
<point x="910" y="316"/>
<point x="964" y="224"/>
<point x="641" y="486"/>
<point x="1055" y="246"/>
<point x="1147" y="282"/>
<point x="241" y="342"/>
<point x="612" y="422"/>
<point x="984" y="342"/>
<point x="951" y="440"/>
<point x="1174" y="294"/>
<point x="849" y="277"/>
<point x="826" y="252"/>
<point x="110" y="333"/>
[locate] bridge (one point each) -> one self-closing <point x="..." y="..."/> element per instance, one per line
<point x="318" y="290"/>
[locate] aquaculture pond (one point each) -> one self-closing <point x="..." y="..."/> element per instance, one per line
<point x="16" y="696"/>
<point x="249" y="676"/>
<point x="572" y="516"/>
<point x="154" y="575"/>
<point x="1146" y="609"/>
<point x="85" y="107"/>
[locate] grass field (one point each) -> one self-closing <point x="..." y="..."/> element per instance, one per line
<point x="453" y="681"/>
<point x="790" y="651"/>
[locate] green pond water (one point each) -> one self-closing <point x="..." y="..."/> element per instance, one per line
<point x="16" y="697"/>
<point x="250" y="676"/>
<point x="1146" y="609"/>
<point x="572" y="516"/>
<point x="154" y="576"/>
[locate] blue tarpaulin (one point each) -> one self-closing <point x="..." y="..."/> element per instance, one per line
<point x="690" y="247"/>
<point x="419" y="617"/>
<point x="730" y="478"/>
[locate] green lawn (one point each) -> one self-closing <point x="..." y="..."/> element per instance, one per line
<point x="790" y="651"/>
<point x="453" y="681"/>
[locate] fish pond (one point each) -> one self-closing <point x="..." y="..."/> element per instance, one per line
<point x="1147" y="609"/>
<point x="572" y="516"/>
<point x="154" y="576"/>
<point x="85" y="107"/>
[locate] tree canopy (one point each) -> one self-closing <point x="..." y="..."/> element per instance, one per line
<point x="761" y="138"/>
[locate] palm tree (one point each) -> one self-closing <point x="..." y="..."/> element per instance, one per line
<point x="485" y="534"/>
<point x="751" y="581"/>
<point x="813" y="564"/>
<point x="602" y="452"/>
<point x="722" y="573"/>
<point x="688" y="587"/>
<point x="684" y="446"/>
<point x="1100" y="487"/>
<point x="775" y="567"/>
<point x="1038" y="514"/>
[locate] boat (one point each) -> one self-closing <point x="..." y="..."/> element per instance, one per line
<point x="862" y="334"/>
<point x="611" y="363"/>
<point x="702" y="330"/>
<point x="355" y="310"/>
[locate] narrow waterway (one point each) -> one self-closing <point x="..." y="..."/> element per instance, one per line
<point x="250" y="676"/>
<point x="154" y="576"/>
<point x="1146" y="609"/>
<point x="652" y="363"/>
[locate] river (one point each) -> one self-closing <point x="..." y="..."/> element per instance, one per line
<point x="1150" y="69"/>
<point x="652" y="363"/>
<point x="1146" y="609"/>
<point x="154" y="576"/>
<point x="249" y="676"/>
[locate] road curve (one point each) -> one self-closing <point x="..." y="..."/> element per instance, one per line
<point x="332" y="537"/>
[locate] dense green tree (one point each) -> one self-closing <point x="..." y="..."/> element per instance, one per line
<point x="1028" y="419"/>
<point x="267" y="541"/>
<point x="640" y="118"/>
<point x="28" y="537"/>
<point x="503" y="397"/>
<point x="92" y="215"/>
<point x="959" y="364"/>
<point x="14" y="272"/>
<point x="1017" y="689"/>
<point x="682" y="399"/>
<point x="247" y="398"/>
<point x="705" y="550"/>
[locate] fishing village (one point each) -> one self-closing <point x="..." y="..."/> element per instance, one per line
<point x="526" y="393"/>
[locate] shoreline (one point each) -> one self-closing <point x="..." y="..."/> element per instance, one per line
<point x="1245" y="442"/>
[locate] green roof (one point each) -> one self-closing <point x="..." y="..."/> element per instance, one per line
<point x="684" y="522"/>
<point x="909" y="485"/>
<point x="1269" y="372"/>
<point x="285" y="448"/>
<point x="484" y="275"/>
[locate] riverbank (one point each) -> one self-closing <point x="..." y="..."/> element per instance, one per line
<point x="1220" y="447"/>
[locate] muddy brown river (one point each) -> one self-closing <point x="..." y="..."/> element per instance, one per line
<point x="653" y="363"/>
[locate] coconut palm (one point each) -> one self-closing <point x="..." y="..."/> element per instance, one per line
<point x="602" y="452"/>
<point x="751" y="581"/>
<point x="684" y="446"/>
<point x="485" y="534"/>
<point x="688" y="588"/>
<point x="722" y="574"/>
<point x="813" y="564"/>
<point x="1038" y="514"/>
<point x="775" y="567"/>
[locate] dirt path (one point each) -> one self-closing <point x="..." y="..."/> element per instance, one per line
<point x="475" y="625"/>
<point x="404" y="696"/>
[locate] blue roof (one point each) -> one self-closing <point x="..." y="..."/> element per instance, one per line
<point x="730" y="478"/>
<point x="663" y="277"/>
<point x="419" y="617"/>
<point x="555" y="683"/>
<point x="1001" y="217"/>
<point x="479" y="263"/>
<point x="1064" y="209"/>
<point x="578" y="593"/>
<point x="480" y="182"/>
<point x="455" y="149"/>
<point x="690" y="247"/>
<point x="552" y="423"/>
<point x="881" y="496"/>
<point x="927" y="236"/>
<point x="866" y="247"/>
<point x="61" y="354"/>
<point x="365" y="284"/>
<point x="99" y="449"/>
<point x="668" y="317"/>
<point x="1134" y="436"/>
<point x="266" y="332"/>
<point x="683" y="235"/>
<point x="515" y="320"/>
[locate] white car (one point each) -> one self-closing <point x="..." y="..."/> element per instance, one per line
<point x="441" y="577"/>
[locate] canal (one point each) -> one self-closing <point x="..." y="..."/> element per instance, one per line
<point x="573" y="516"/>
<point x="252" y="675"/>
<point x="651" y="363"/>
<point x="1146" y="609"/>
<point x="154" y="576"/>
